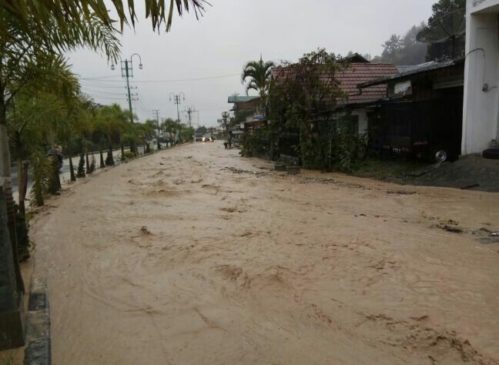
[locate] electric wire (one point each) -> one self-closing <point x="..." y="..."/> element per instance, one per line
<point x="207" y="78"/>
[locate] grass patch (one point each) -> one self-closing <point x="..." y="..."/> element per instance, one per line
<point x="390" y="170"/>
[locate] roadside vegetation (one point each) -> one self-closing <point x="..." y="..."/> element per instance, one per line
<point x="302" y="101"/>
<point x="43" y="113"/>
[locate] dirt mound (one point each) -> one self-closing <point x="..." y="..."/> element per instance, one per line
<point x="470" y="172"/>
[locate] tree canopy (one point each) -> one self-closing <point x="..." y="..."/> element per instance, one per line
<point x="259" y="74"/>
<point x="445" y="32"/>
<point x="404" y="50"/>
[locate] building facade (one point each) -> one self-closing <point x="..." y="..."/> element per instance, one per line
<point x="422" y="114"/>
<point x="481" y="94"/>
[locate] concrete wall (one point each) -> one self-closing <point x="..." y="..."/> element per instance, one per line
<point x="481" y="96"/>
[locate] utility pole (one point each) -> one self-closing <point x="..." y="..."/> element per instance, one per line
<point x="190" y="110"/>
<point x="127" y="73"/>
<point x="156" y="114"/>
<point x="177" y="100"/>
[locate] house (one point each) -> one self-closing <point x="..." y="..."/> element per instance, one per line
<point x="248" y="116"/>
<point x="358" y="71"/>
<point x="357" y="103"/>
<point x="349" y="107"/>
<point x="481" y="95"/>
<point x="421" y="113"/>
<point x="244" y="104"/>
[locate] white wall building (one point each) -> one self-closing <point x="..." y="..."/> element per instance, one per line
<point x="481" y="94"/>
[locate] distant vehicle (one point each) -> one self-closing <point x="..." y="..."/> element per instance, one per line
<point x="207" y="139"/>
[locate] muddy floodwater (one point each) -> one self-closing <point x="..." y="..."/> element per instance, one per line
<point x="197" y="256"/>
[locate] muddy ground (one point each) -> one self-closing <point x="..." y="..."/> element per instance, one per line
<point x="197" y="256"/>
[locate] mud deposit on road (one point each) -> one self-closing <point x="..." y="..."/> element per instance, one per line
<point x="196" y="256"/>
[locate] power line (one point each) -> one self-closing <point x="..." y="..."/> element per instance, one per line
<point x="96" y="77"/>
<point x="109" y="98"/>
<point x="103" y="87"/>
<point x="171" y="80"/>
<point x="104" y="92"/>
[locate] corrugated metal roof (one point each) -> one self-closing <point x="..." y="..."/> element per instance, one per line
<point x="241" y="99"/>
<point x="411" y="71"/>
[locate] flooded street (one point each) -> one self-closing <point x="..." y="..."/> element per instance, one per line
<point x="197" y="256"/>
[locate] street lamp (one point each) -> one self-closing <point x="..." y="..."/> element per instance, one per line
<point x="127" y="73"/>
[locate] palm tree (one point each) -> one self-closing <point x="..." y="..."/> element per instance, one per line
<point x="111" y="122"/>
<point x="33" y="29"/>
<point x="259" y="74"/>
<point x="26" y="55"/>
<point x="59" y="13"/>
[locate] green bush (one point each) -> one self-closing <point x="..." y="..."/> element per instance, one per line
<point x="256" y="143"/>
<point x="129" y="155"/>
<point x="348" y="150"/>
<point x="23" y="243"/>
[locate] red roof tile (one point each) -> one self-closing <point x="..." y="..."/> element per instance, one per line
<point x="355" y="74"/>
<point x="359" y="73"/>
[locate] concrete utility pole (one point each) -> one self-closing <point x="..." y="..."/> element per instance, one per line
<point x="190" y="110"/>
<point x="127" y="73"/>
<point x="156" y="114"/>
<point x="177" y="100"/>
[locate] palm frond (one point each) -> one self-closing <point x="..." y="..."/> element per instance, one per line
<point x="70" y="13"/>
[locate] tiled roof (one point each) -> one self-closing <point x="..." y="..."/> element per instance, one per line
<point x="359" y="73"/>
<point x="350" y="78"/>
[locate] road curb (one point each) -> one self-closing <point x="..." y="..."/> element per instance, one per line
<point x="38" y="344"/>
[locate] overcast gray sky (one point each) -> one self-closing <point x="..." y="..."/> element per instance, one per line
<point x="204" y="59"/>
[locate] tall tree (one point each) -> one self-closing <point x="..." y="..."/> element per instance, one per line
<point x="258" y="74"/>
<point x="30" y="29"/>
<point x="26" y="55"/>
<point x="111" y="122"/>
<point x="38" y="114"/>
<point x="406" y="50"/>
<point x="445" y="33"/>
<point x="303" y="97"/>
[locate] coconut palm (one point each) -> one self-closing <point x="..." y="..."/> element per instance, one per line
<point x="30" y="29"/>
<point x="26" y="55"/>
<point x="111" y="122"/>
<point x="38" y="15"/>
<point x="259" y="74"/>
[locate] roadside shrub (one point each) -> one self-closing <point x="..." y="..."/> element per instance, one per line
<point x="129" y="155"/>
<point x="23" y="243"/>
<point x="348" y="150"/>
<point x="256" y="144"/>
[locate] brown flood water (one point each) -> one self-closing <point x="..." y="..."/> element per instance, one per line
<point x="197" y="256"/>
